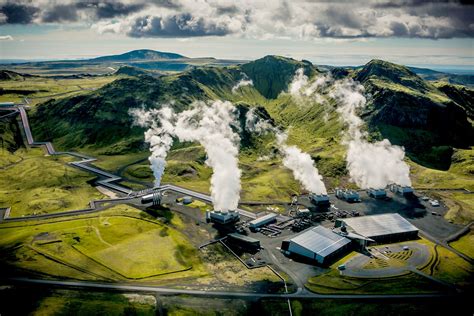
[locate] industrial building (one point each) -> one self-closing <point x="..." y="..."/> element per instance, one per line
<point x="244" y="241"/>
<point x="319" y="199"/>
<point x="261" y="221"/>
<point x="377" y="193"/>
<point x="384" y="228"/>
<point x="350" y="196"/>
<point x="402" y="190"/>
<point x="222" y="217"/>
<point x="319" y="244"/>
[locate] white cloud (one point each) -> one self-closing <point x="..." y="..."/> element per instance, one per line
<point x="258" y="19"/>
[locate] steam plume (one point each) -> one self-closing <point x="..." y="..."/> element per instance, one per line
<point x="370" y="164"/>
<point x="245" y="81"/>
<point x="158" y="136"/>
<point x="301" y="87"/>
<point x="210" y="124"/>
<point x="301" y="165"/>
<point x="298" y="162"/>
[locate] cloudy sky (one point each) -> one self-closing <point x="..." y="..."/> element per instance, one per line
<point x="413" y="32"/>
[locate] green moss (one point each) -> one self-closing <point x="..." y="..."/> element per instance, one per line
<point x="33" y="183"/>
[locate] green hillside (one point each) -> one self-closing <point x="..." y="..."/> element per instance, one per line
<point x="430" y="121"/>
<point x="414" y="113"/>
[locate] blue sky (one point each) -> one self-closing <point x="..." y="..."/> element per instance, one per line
<point x="336" y="33"/>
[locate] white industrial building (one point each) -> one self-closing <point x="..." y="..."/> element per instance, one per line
<point x="383" y="228"/>
<point x="319" y="244"/>
<point x="261" y="221"/>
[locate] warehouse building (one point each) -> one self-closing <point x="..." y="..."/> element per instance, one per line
<point x="319" y="244"/>
<point x="261" y="221"/>
<point x="384" y="228"/>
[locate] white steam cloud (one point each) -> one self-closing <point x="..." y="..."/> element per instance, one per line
<point x="300" y="163"/>
<point x="301" y="87"/>
<point x="158" y="136"/>
<point x="245" y="81"/>
<point x="302" y="166"/>
<point x="210" y="124"/>
<point x="371" y="165"/>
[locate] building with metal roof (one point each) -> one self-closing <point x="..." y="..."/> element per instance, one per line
<point x="319" y="244"/>
<point x="382" y="228"/>
<point x="261" y="221"/>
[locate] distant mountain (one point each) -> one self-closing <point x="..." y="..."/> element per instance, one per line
<point x="12" y="75"/>
<point x="433" y="75"/>
<point x="141" y="54"/>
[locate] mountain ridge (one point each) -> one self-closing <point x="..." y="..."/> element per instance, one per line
<point x="139" y="54"/>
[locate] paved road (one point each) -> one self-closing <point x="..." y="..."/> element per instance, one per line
<point x="146" y="288"/>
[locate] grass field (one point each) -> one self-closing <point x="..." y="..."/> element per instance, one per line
<point x="32" y="183"/>
<point x="41" y="89"/>
<point x="116" y="244"/>
<point x="465" y="244"/>
<point x="453" y="269"/>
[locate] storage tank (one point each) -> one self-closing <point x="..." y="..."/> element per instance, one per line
<point x="154" y="198"/>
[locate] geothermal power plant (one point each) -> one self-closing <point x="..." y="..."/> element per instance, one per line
<point x="318" y="225"/>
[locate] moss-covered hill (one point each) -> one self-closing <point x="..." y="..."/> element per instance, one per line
<point x="416" y="114"/>
<point x="429" y="120"/>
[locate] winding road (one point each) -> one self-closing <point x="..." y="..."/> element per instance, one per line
<point x="108" y="180"/>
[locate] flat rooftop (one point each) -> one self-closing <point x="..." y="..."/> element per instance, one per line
<point x="379" y="225"/>
<point x="320" y="240"/>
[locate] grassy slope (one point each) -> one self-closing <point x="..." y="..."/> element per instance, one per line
<point x="465" y="244"/>
<point x="97" y="247"/>
<point x="32" y="183"/>
<point x="38" y="89"/>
